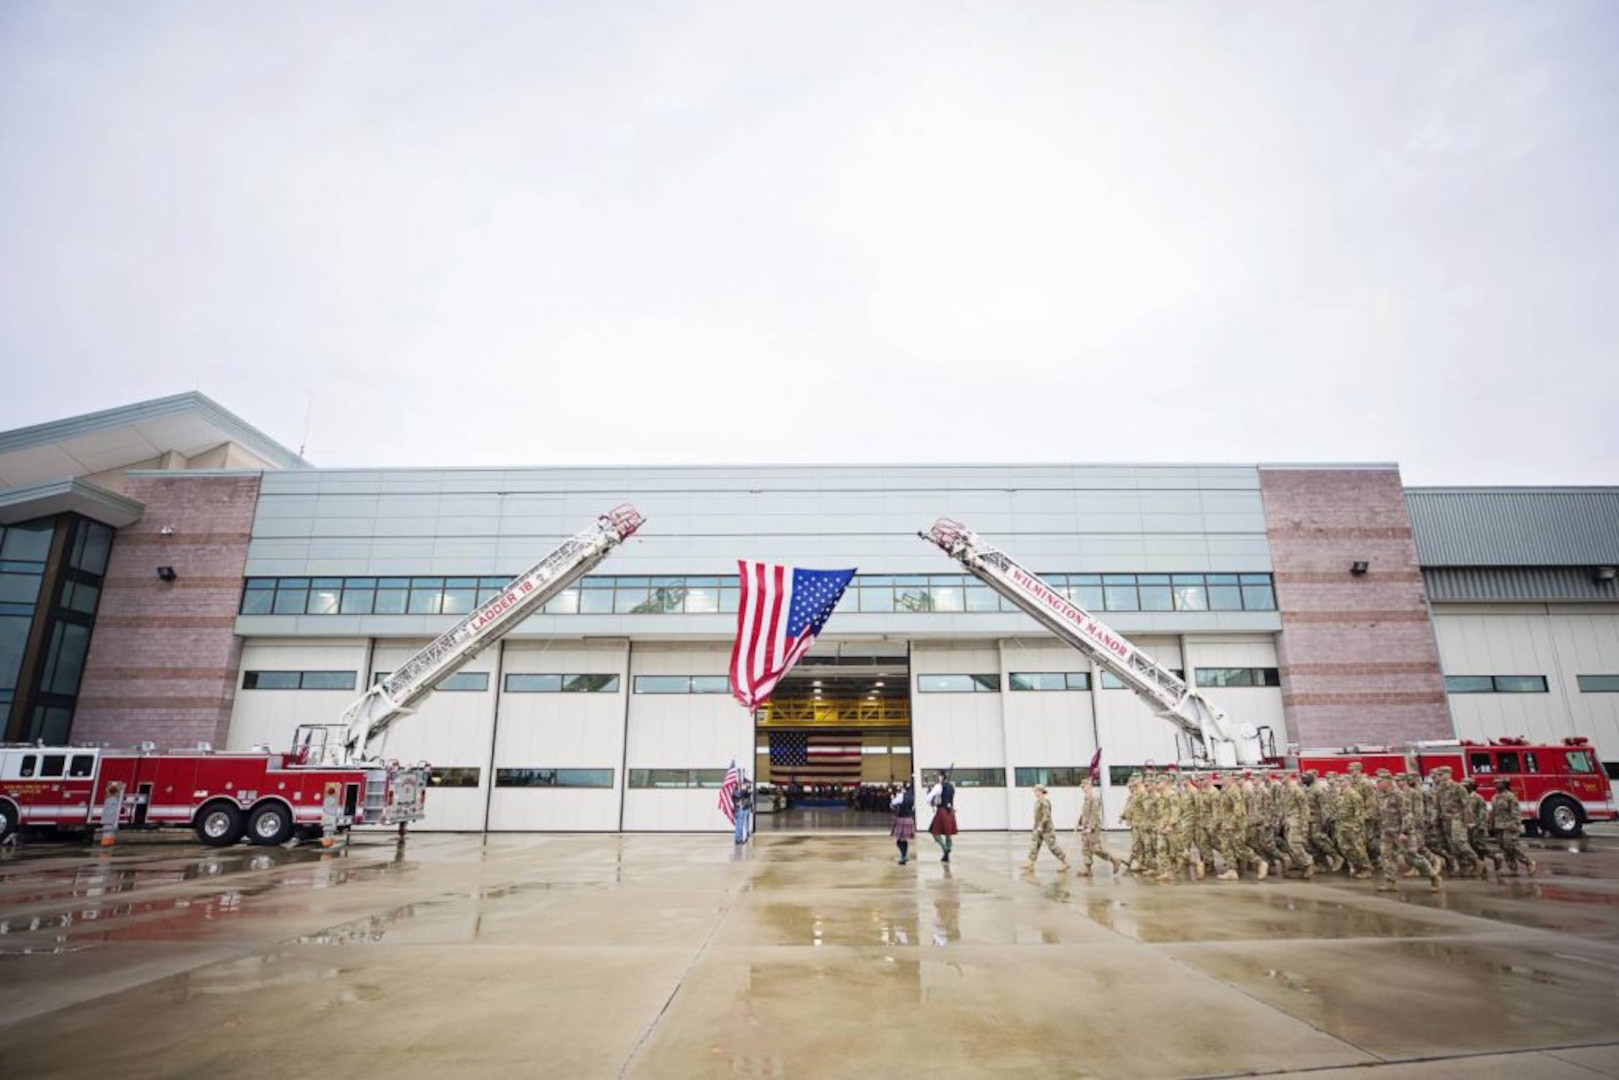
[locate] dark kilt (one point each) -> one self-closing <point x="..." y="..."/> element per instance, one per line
<point x="944" y="822"/>
<point x="904" y="828"/>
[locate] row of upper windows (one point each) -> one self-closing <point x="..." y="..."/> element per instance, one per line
<point x="1525" y="684"/>
<point x="868" y="593"/>
<point x="522" y="683"/>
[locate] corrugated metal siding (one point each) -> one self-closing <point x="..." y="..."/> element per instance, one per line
<point x="1539" y="583"/>
<point x="1517" y="527"/>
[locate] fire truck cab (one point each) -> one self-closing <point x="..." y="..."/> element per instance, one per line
<point x="1560" y="786"/>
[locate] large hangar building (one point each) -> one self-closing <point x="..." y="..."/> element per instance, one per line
<point x="169" y="573"/>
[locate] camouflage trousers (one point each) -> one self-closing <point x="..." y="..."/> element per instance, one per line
<point x="1322" y="844"/>
<point x="1411" y="849"/>
<point x="1352" y="845"/>
<point x="1091" y="846"/>
<point x="1263" y="841"/>
<point x="1235" y="851"/>
<point x="1511" y="851"/>
<point x="1046" y="836"/>
<point x="1295" y="833"/>
<point x="1459" y="849"/>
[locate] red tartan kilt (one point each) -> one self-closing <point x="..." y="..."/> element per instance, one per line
<point x="944" y="823"/>
<point x="904" y="828"/>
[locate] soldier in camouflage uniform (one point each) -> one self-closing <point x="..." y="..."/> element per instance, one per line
<point x="1433" y="834"/>
<point x="1477" y="820"/>
<point x="1044" y="834"/>
<point x="1367" y="790"/>
<point x="1204" y="803"/>
<point x="1452" y="800"/>
<point x="1296" y="826"/>
<point x="1090" y="829"/>
<point x="1166" y="824"/>
<point x="1506" y="823"/>
<point x="1130" y="816"/>
<point x="1410" y="790"/>
<point x="1400" y="827"/>
<point x="1261" y="825"/>
<point x="1350" y="814"/>
<point x="1231" y="832"/>
<point x="1323" y="814"/>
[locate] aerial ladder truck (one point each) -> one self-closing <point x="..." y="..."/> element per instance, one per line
<point x="335" y="776"/>
<point x="1211" y="738"/>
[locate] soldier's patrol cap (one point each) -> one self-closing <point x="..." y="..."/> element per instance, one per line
<point x="1469" y="782"/>
<point x="1443" y="769"/>
<point x="1384" y="774"/>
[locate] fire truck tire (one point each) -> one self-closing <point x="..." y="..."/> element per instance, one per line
<point x="1560" y="816"/>
<point x="270" y="824"/>
<point x="8" y="820"/>
<point x="219" y="824"/>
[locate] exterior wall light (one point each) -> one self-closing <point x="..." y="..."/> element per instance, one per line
<point x="1359" y="567"/>
<point x="166" y="573"/>
<point x="1605" y="573"/>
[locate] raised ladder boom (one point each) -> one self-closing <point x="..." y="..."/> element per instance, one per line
<point x="1215" y="741"/>
<point x="384" y="704"/>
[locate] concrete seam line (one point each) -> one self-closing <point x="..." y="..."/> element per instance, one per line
<point x="702" y="950"/>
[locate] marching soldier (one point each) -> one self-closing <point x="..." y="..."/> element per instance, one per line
<point x="1452" y="800"/>
<point x="1044" y="834"/>
<point x="1477" y="820"/>
<point x="1350" y="812"/>
<point x="1090" y="829"/>
<point x="1131" y="816"/>
<point x="1506" y="822"/>
<point x="1296" y="826"/>
<point x="1231" y="833"/>
<point x="1400" y="826"/>
<point x="1322" y="818"/>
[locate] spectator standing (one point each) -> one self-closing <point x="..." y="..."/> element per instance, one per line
<point x="744" y="810"/>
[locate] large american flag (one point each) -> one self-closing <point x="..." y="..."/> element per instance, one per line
<point x="727" y="801"/>
<point x="781" y="612"/>
<point x="815" y="757"/>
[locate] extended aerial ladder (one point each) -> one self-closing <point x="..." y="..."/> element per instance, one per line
<point x="1214" y="740"/>
<point x="395" y="697"/>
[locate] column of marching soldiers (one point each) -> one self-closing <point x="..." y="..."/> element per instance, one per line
<point x="1298" y="824"/>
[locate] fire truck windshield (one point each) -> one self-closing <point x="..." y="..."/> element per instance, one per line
<point x="1580" y="761"/>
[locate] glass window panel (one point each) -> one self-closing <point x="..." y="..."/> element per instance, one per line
<point x="1508" y="762"/>
<point x="629" y="598"/>
<point x="971" y="777"/>
<point x="30" y="764"/>
<point x="358" y="601"/>
<point x="1079" y="680"/>
<point x="425" y="600"/>
<point x="466" y="682"/>
<point x="1156" y="596"/>
<point x="458" y="777"/>
<point x="663" y="684"/>
<point x="95" y="540"/>
<point x="1190" y="593"/>
<point x="326" y="583"/>
<point x="640" y="778"/>
<point x="525" y="778"/>
<point x="1224" y="597"/>
<point x="53" y="765"/>
<point x="496" y="583"/>
<point x="360" y="583"/>
<point x="293" y="583"/>
<point x="878" y="598"/>
<point x="270" y="680"/>
<point x="986" y="682"/>
<point x="913" y="599"/>
<point x="1520" y="684"/>
<point x="1468" y="684"/>
<point x="662" y="600"/>
<point x="981" y="598"/>
<point x="28" y="543"/>
<point x="1089" y="597"/>
<point x="327" y="680"/>
<point x="533" y="684"/>
<point x="291" y="601"/>
<point x="323" y="601"/>
<point x="1119" y="592"/>
<point x="1267" y="676"/>
<point x="460" y="600"/>
<point x="585" y="778"/>
<point x="702" y="600"/>
<point x="944" y="684"/>
<point x="1598" y="684"/>
<point x="82" y="765"/>
<point x="1038" y="680"/>
<point x="1258" y="598"/>
<point x="1225" y="677"/>
<point x="730" y="600"/>
<point x="1111" y="681"/>
<point x="393" y="583"/>
<point x="82" y="597"/>
<point x="565" y="602"/>
<point x="590" y="684"/>
<point x="948" y="598"/>
<point x="709" y="778"/>
<point x="19" y="588"/>
<point x="597" y="582"/>
<point x="595" y="601"/>
<point x="711" y="684"/>
<point x="1579" y="761"/>
<point x="64" y="664"/>
<point x="669" y="778"/>
<point x="389" y="602"/>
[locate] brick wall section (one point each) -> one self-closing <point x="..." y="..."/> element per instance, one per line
<point x="1358" y="657"/>
<point x="164" y="658"/>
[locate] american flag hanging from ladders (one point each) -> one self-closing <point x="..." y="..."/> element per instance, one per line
<point x="781" y="611"/>
<point x="815" y="757"/>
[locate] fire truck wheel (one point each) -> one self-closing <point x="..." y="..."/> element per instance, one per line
<point x="271" y="824"/>
<point x="8" y="820"/>
<point x="1560" y="816"/>
<point x="219" y="824"/>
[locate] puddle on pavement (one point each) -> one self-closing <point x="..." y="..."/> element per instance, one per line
<point x="1196" y="915"/>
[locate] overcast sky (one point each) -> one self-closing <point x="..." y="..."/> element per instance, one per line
<point x="525" y="233"/>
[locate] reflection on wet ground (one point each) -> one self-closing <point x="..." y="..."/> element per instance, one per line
<point x="683" y="955"/>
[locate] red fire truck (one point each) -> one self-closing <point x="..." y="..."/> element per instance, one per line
<point x="1560" y="787"/>
<point x="332" y="777"/>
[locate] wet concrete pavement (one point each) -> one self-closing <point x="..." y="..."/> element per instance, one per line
<point x="816" y="956"/>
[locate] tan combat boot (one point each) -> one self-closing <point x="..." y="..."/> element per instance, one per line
<point x="1264" y="868"/>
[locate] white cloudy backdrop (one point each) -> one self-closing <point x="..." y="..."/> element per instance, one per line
<point x="521" y="233"/>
